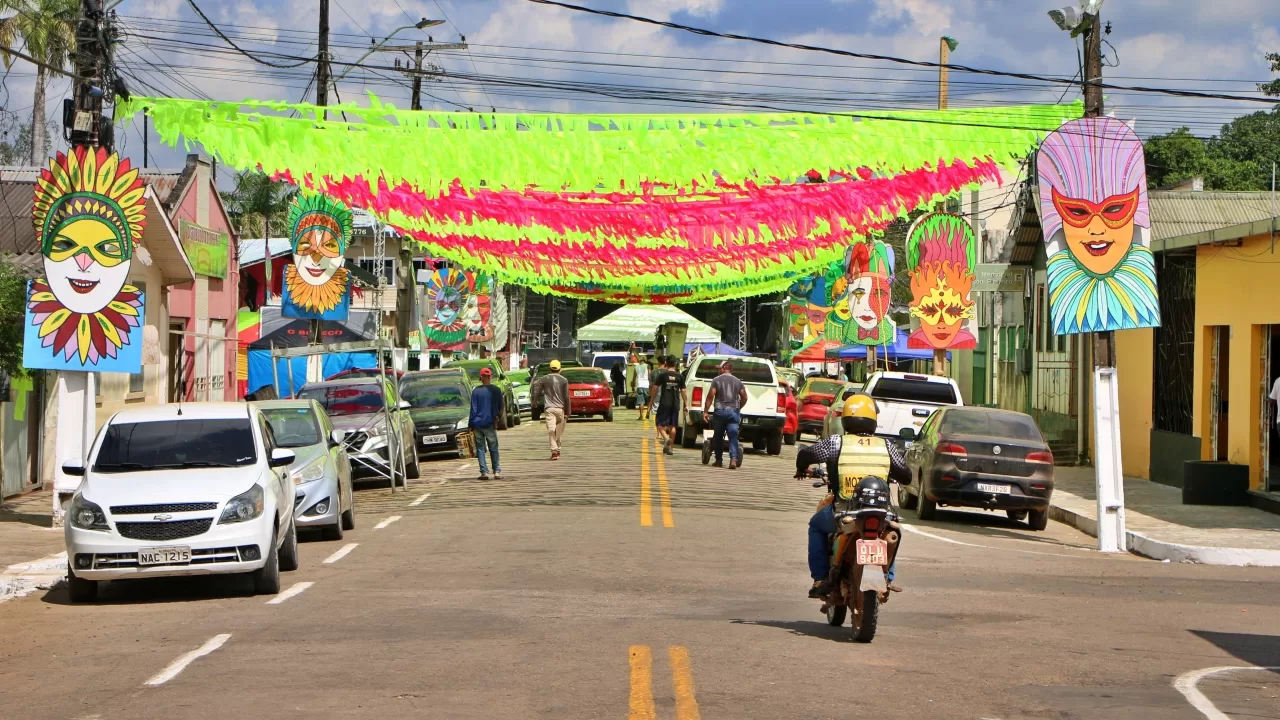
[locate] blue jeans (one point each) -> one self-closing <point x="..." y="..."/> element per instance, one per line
<point x="723" y="421"/>
<point x="487" y="437"/>
<point x="822" y="525"/>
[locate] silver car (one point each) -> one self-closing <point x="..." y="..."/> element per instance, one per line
<point x="321" y="470"/>
<point x="356" y="407"/>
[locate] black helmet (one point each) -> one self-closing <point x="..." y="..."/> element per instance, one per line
<point x="871" y="492"/>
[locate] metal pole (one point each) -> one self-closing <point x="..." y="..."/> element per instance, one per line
<point x="275" y="368"/>
<point x="944" y="54"/>
<point x="146" y="130"/>
<point x="417" y="75"/>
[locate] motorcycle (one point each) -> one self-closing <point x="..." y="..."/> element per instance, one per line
<point x="863" y="548"/>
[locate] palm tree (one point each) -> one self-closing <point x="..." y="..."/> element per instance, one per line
<point x="48" y="30"/>
<point x="255" y="205"/>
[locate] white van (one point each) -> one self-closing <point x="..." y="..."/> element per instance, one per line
<point x="764" y="414"/>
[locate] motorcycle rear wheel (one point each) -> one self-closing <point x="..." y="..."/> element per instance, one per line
<point x="864" y="623"/>
<point x="836" y="615"/>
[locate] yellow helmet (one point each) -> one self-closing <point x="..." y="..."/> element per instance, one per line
<point x="860" y="415"/>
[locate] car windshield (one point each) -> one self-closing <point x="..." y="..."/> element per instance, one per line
<point x="434" y="395"/>
<point x="580" y="376"/>
<point x="176" y="443"/>
<point x="293" y="427"/>
<point x="1013" y="426"/>
<point x="823" y="387"/>
<point x="914" y="391"/>
<point x="606" y="361"/>
<point x="745" y="369"/>
<point x="344" y="399"/>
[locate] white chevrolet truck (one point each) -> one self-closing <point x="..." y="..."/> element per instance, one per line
<point x="906" y="400"/>
<point x="764" y="414"/>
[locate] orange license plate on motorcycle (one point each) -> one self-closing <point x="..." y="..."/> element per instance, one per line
<point x="873" y="552"/>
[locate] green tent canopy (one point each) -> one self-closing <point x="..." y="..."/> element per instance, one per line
<point x="638" y="323"/>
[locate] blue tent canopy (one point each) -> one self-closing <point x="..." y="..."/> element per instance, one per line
<point x="714" y="349"/>
<point x="897" y="351"/>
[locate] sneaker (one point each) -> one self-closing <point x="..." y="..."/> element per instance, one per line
<point x="733" y="464"/>
<point x="718" y="464"/>
<point x="483" y="476"/>
<point x="893" y="587"/>
<point x="555" y="455"/>
<point x="497" y="476"/>
<point x="819" y="589"/>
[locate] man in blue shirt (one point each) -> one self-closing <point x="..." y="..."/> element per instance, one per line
<point x="486" y="408"/>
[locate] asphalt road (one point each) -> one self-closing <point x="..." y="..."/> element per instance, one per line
<point x="615" y="583"/>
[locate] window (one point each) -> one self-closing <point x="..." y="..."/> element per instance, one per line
<point x="434" y="394"/>
<point x="746" y="370"/>
<point x="914" y="391"/>
<point x="345" y="399"/>
<point x="176" y="443"/>
<point x="293" y="427"/>
<point x="137" y="382"/>
<point x="584" y="376"/>
<point x="370" y="265"/>
<point x="1014" y="426"/>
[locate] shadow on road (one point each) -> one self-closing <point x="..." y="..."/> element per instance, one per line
<point x="804" y="628"/>
<point x="156" y="591"/>
<point x="987" y="525"/>
<point x="1260" y="650"/>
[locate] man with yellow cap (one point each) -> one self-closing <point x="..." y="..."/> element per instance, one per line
<point x="551" y="391"/>
<point x="873" y="456"/>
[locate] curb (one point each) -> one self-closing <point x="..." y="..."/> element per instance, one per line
<point x="1171" y="552"/>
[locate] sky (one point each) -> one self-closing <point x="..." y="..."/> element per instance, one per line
<point x="1214" y="46"/>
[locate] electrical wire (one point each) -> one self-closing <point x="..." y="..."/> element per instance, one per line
<point x="242" y="51"/>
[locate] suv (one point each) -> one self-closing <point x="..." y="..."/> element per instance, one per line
<point x="190" y="489"/>
<point x="356" y="407"/>
<point x="765" y="412"/>
<point x="473" y="367"/>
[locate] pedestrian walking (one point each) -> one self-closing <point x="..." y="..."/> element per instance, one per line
<point x="642" y="387"/>
<point x="551" y="392"/>
<point x="619" y="379"/>
<point x="486" y="408"/>
<point x="669" y="396"/>
<point x="724" y="411"/>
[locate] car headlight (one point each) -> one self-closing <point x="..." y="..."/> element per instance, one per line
<point x="245" y="506"/>
<point x="462" y="424"/>
<point x="309" y="473"/>
<point x="87" y="515"/>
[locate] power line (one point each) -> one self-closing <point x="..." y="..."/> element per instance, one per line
<point x="242" y="51"/>
<point x="890" y="58"/>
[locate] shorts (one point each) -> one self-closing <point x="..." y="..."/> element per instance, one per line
<point x="667" y="417"/>
<point x="642" y="396"/>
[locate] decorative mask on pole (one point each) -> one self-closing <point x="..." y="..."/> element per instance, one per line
<point x="316" y="285"/>
<point x="1097" y="228"/>
<point x="864" y="293"/>
<point x="448" y="291"/>
<point x="89" y="212"/>
<point x="941" y="253"/>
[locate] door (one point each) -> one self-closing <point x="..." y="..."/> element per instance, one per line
<point x="1269" y="431"/>
<point x="1219" y="391"/>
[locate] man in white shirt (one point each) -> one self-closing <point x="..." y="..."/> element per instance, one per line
<point x="642" y="388"/>
<point x="1275" y="401"/>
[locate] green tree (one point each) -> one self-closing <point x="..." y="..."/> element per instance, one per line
<point x="47" y="28"/>
<point x="13" y="309"/>
<point x="1272" y="88"/>
<point x="18" y="152"/>
<point x="1238" y="158"/>
<point x="258" y="204"/>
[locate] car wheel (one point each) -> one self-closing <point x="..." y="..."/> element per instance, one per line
<point x="266" y="579"/>
<point x="81" y="590"/>
<point x="515" y="417"/>
<point x="906" y="500"/>
<point x="289" y="550"/>
<point x="925" y="508"/>
<point x="679" y="437"/>
<point x="535" y="415"/>
<point x="790" y="438"/>
<point x="608" y="415"/>
<point x="1016" y="515"/>
<point x="688" y="438"/>
<point x="706" y="453"/>
<point x="757" y="444"/>
<point x="1038" y="519"/>
<point x="411" y="469"/>
<point x="334" y="531"/>
<point x="773" y="444"/>
<point x="349" y="519"/>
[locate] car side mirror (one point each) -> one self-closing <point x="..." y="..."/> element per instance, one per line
<point x="403" y="405"/>
<point x="337" y="437"/>
<point x="74" y="468"/>
<point x="281" y="457"/>
<point x="907" y="433"/>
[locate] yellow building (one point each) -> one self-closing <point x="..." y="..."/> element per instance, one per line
<point x="1198" y="386"/>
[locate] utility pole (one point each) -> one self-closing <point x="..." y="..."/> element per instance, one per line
<point x="420" y="51"/>
<point x="1103" y="342"/>
<point x="322" y="67"/>
<point x="417" y="76"/>
<point x="89" y="88"/>
<point x="946" y="44"/>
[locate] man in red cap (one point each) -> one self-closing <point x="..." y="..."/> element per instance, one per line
<point x="486" y="408"/>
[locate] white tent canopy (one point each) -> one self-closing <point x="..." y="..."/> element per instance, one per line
<point x="638" y="323"/>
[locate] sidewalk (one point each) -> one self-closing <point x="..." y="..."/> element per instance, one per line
<point x="1159" y="526"/>
<point x="32" y="553"/>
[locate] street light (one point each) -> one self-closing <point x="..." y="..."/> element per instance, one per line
<point x="1075" y="19"/>
<point x="420" y="25"/>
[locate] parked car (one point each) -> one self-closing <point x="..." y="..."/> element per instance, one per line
<point x="321" y="470"/>
<point x="190" y="489"/>
<point x="793" y="377"/>
<point x="521" y="388"/>
<point x="605" y="360"/>
<point x="356" y="406"/>
<point x="791" y="427"/>
<point x="906" y="400"/>
<point x="589" y="393"/>
<point x="473" y="368"/>
<point x="364" y="373"/>
<point x="764" y="414"/>
<point x="440" y="405"/>
<point x="831" y="422"/>
<point x="983" y="458"/>
<point x="544" y="368"/>
<point x="814" y="398"/>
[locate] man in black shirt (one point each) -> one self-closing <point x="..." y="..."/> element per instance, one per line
<point x="669" y="394"/>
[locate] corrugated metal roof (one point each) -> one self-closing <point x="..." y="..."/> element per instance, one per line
<point x="1175" y="214"/>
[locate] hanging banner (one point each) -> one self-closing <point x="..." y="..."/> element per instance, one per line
<point x="206" y="248"/>
<point x="317" y="286"/>
<point x="1101" y="274"/>
<point x="941" y="255"/>
<point x="89" y="212"/>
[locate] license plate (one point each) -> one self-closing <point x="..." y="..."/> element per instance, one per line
<point x="164" y="555"/>
<point x="434" y="439"/>
<point x="997" y="489"/>
<point x="873" y="552"/>
<point x="582" y="393"/>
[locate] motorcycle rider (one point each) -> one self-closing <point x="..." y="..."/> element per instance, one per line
<point x="868" y="453"/>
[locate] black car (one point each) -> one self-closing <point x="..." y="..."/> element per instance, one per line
<point x="440" y="403"/>
<point x="981" y="458"/>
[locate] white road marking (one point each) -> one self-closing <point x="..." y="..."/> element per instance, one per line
<point x="295" y="590"/>
<point x="25" y="578"/>
<point x="386" y="522"/>
<point x="1186" y="684"/>
<point x="340" y="554"/>
<point x="181" y="663"/>
<point x="418" y="501"/>
<point x="918" y="531"/>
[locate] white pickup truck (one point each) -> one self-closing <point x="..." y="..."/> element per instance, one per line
<point x="765" y="412"/>
<point x="906" y="400"/>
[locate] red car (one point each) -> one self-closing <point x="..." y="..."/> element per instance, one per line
<point x="589" y="392"/>
<point x="791" y="426"/>
<point x="817" y="394"/>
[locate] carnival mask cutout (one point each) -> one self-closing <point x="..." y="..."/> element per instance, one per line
<point x="449" y="291"/>
<point x="867" y="286"/>
<point x="1093" y="208"/>
<point x="89" y="212"/>
<point x="942" y="253"/>
<point x="316" y="284"/>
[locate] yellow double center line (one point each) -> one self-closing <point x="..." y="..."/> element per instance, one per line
<point x="646" y="492"/>
<point x="641" y="699"/>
